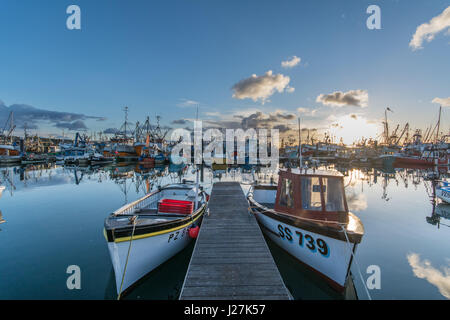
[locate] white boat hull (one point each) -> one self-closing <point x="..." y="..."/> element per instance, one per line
<point x="146" y="254"/>
<point x="302" y="244"/>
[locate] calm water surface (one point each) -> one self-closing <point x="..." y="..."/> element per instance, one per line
<point x="54" y="218"/>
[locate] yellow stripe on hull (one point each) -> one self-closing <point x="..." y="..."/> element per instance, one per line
<point x="152" y="234"/>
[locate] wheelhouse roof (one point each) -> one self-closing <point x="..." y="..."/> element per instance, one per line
<point x="313" y="172"/>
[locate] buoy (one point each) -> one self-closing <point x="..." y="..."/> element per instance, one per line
<point x="193" y="232"/>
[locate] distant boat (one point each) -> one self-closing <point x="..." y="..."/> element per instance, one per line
<point x="122" y="150"/>
<point x="34" y="158"/>
<point x="9" y="154"/>
<point x="405" y="161"/>
<point x="121" y="146"/>
<point x="145" y="233"/>
<point x="443" y="191"/>
<point x="307" y="215"/>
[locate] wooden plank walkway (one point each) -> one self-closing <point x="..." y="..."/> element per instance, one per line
<point x="231" y="259"/>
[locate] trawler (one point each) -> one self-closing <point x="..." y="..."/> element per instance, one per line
<point x="9" y="154"/>
<point x="121" y="146"/>
<point x="307" y="215"/>
<point x="145" y="233"/>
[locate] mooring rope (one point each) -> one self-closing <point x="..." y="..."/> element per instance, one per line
<point x="356" y="261"/>
<point x="134" y="220"/>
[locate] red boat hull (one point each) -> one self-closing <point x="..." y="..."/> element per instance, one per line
<point x="413" y="162"/>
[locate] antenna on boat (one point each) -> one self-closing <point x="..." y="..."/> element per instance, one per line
<point x="300" y="160"/>
<point x="126" y="120"/>
<point x="196" y="171"/>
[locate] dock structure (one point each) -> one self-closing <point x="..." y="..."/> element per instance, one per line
<point x="231" y="259"/>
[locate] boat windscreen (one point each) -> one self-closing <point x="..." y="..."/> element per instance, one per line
<point x="310" y="189"/>
<point x="333" y="192"/>
<point x="287" y="194"/>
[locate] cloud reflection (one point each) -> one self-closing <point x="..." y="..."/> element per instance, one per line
<point x="356" y="201"/>
<point x="424" y="270"/>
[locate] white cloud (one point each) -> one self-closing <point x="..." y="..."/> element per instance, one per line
<point x="358" y="98"/>
<point x="290" y="89"/>
<point x="427" y="31"/>
<point x="261" y="87"/>
<point x="307" y="112"/>
<point x="445" y="102"/>
<point x="424" y="270"/>
<point x="290" y="63"/>
<point x="187" y="103"/>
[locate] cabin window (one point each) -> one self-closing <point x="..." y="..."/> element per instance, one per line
<point x="287" y="194"/>
<point x="310" y="189"/>
<point x="333" y="194"/>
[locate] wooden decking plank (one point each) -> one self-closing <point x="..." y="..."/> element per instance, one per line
<point x="231" y="259"/>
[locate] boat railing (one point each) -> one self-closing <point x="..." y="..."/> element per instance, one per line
<point x="143" y="202"/>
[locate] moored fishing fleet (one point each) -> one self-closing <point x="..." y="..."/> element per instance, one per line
<point x="149" y="145"/>
<point x="146" y="144"/>
<point x="396" y="148"/>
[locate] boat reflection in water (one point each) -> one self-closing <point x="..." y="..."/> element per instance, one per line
<point x="440" y="211"/>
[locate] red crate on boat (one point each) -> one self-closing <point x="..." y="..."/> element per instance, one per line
<point x="175" y="206"/>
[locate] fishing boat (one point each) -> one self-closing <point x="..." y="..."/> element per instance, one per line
<point x="306" y="214"/>
<point x="9" y="154"/>
<point x="121" y="149"/>
<point x="147" y="161"/>
<point x="33" y="158"/>
<point x="121" y="146"/>
<point x="443" y="191"/>
<point x="99" y="159"/>
<point x="145" y="233"/>
<point x="404" y="161"/>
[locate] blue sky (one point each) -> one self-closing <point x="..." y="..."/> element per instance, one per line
<point x="153" y="56"/>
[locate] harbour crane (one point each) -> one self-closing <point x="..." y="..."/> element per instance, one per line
<point x="8" y="128"/>
<point x="405" y="130"/>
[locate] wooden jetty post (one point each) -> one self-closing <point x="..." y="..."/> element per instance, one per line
<point x="231" y="259"/>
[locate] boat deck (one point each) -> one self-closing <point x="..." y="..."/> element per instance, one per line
<point x="231" y="259"/>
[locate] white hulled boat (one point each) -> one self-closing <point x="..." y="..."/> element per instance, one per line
<point x="144" y="234"/>
<point x="307" y="216"/>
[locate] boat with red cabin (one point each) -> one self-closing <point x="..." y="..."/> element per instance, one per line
<point x="307" y="215"/>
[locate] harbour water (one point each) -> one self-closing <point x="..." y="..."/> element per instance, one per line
<point x="54" y="218"/>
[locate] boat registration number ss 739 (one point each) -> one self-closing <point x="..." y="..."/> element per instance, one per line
<point x="304" y="239"/>
<point x="177" y="235"/>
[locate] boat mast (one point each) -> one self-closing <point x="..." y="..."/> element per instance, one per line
<point x="300" y="160"/>
<point x="196" y="174"/>
<point x="125" y="124"/>
<point x="386" y="128"/>
<point x="438" y="125"/>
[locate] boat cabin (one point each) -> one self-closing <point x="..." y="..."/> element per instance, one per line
<point x="317" y="195"/>
<point x="9" y="150"/>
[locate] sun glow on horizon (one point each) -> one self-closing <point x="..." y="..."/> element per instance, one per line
<point x="353" y="128"/>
